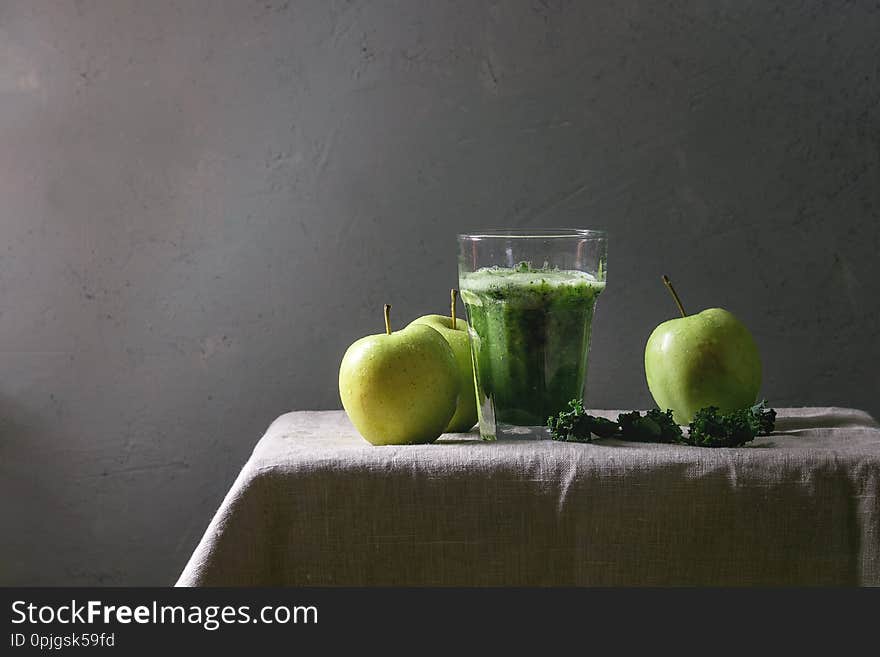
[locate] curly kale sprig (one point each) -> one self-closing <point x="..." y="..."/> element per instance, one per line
<point x="576" y="426"/>
<point x="766" y="418"/>
<point x="655" y="426"/>
<point x="709" y="428"/>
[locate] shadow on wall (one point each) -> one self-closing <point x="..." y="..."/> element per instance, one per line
<point x="37" y="475"/>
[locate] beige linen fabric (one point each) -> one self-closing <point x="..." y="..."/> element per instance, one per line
<point x="317" y="505"/>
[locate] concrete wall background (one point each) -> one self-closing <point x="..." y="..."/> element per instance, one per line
<point x="203" y="203"/>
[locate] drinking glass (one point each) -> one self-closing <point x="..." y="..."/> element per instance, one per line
<point x="530" y="298"/>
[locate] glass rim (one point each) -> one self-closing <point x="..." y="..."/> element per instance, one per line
<point x="528" y="233"/>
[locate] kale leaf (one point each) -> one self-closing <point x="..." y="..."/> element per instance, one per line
<point x="655" y="426"/>
<point x="710" y="428"/>
<point x="576" y="426"/>
<point x="766" y="418"/>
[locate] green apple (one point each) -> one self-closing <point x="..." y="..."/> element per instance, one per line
<point x="455" y="332"/>
<point x="707" y="359"/>
<point x="401" y="387"/>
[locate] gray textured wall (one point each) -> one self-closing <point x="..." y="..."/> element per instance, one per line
<point x="203" y="203"/>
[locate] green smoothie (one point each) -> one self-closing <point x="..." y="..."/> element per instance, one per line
<point x="530" y="338"/>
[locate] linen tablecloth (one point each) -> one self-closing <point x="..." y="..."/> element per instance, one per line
<point x="317" y="505"/>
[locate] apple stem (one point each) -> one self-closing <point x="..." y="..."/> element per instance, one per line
<point x="668" y="284"/>
<point x="388" y="318"/>
<point x="454" y="295"/>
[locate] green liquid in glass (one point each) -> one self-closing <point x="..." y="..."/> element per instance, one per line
<point x="530" y="338"/>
